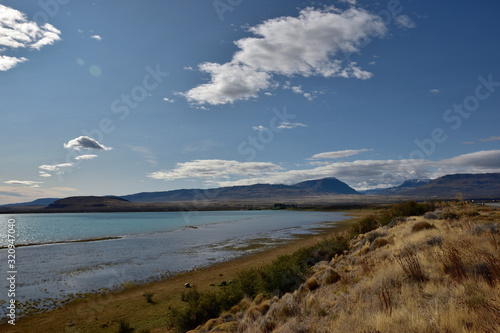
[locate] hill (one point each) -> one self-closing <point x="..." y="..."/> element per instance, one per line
<point x="37" y="202"/>
<point x="472" y="186"/>
<point x="88" y="204"/>
<point x="406" y="185"/>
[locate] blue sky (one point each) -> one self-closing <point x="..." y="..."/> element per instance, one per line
<point x="119" y="97"/>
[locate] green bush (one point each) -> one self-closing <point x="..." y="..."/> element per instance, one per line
<point x="284" y="274"/>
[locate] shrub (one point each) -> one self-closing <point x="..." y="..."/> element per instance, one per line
<point x="424" y="225"/>
<point x="379" y="242"/>
<point x="124" y="326"/>
<point x="148" y="296"/>
<point x="408" y="260"/>
<point x="312" y="283"/>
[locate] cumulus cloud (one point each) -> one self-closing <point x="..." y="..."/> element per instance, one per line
<point x="17" y="32"/>
<point x="7" y="63"/>
<point x="96" y="37"/>
<point x="339" y="154"/>
<point x="84" y="142"/>
<point x="213" y="169"/>
<point x="23" y="182"/>
<point x="305" y="45"/>
<point x="85" y="157"/>
<point x="44" y="174"/>
<point x="168" y="100"/>
<point x="230" y="82"/>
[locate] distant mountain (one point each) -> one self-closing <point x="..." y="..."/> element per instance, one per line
<point x="258" y="191"/>
<point x="407" y="185"/>
<point x="37" y="202"/>
<point x="326" y="185"/>
<point x="88" y="203"/>
<point x="472" y="186"/>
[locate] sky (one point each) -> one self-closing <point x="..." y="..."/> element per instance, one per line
<point x="120" y="97"/>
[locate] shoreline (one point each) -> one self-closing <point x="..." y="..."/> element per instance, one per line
<point x="130" y="304"/>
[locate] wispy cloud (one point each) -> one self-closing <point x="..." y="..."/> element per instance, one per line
<point x="305" y="45"/>
<point x="96" y="37"/>
<point x="491" y="138"/>
<point x="55" y="167"/>
<point x="85" y="157"/>
<point x="84" y="142"/>
<point x="23" y="182"/>
<point x="259" y="128"/>
<point x="339" y="154"/>
<point x="169" y="100"/>
<point x="146" y="153"/>
<point x="201" y="146"/>
<point x="404" y="21"/>
<point x="17" y="32"/>
<point x="434" y="91"/>
<point x="289" y="125"/>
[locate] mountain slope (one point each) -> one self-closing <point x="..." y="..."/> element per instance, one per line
<point x="480" y="186"/>
<point x="257" y="191"/>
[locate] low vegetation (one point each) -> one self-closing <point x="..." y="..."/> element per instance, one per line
<point x="399" y="272"/>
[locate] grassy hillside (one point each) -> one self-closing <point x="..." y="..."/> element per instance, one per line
<point x="436" y="273"/>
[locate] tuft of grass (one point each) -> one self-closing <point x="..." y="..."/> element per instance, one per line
<point x="124" y="326"/>
<point x="409" y="262"/>
<point x="148" y="296"/>
<point x="423" y="225"/>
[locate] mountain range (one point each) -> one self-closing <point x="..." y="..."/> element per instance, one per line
<point x="471" y="186"/>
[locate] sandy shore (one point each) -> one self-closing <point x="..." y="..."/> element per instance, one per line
<point x="103" y="312"/>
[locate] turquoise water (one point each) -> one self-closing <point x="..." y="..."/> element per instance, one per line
<point x="150" y="245"/>
<point x="48" y="228"/>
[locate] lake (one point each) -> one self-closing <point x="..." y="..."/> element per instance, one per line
<point x="150" y="246"/>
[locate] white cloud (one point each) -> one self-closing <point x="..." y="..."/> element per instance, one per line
<point x="304" y="45"/>
<point x="259" y="128"/>
<point x="7" y="63"/>
<point x="339" y="154"/>
<point x="85" y="157"/>
<point x="17" y="32"/>
<point x="96" y="37"/>
<point x="404" y="21"/>
<point x="44" y="174"/>
<point x="23" y="182"/>
<point x="230" y="82"/>
<point x="360" y="174"/>
<point x="288" y="125"/>
<point x="351" y="2"/>
<point x="168" y="100"/>
<point x="434" y="91"/>
<point x="215" y="169"/>
<point x="84" y="142"/>
<point x="55" y="167"/>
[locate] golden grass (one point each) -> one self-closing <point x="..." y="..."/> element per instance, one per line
<point x="444" y="278"/>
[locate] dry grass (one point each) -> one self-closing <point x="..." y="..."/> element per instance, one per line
<point x="443" y="278"/>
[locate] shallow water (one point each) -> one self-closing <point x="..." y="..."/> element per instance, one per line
<point x="152" y="245"/>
